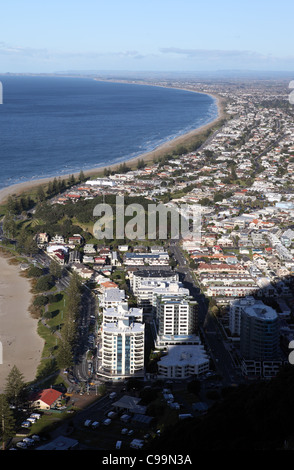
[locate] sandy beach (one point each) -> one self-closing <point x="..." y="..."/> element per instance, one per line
<point x="21" y="345"/>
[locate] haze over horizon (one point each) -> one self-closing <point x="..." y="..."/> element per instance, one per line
<point x="184" y="36"/>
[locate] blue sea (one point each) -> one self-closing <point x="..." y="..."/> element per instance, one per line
<point x="54" y="126"/>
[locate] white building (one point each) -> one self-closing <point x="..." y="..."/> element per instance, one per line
<point x="183" y="361"/>
<point x="157" y="275"/>
<point x="112" y="297"/>
<point x="235" y="313"/>
<point x="150" y="289"/>
<point x="176" y="319"/>
<point x="113" y="314"/>
<point x="122" y="349"/>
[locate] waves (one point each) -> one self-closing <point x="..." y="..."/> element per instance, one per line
<point x="52" y="126"/>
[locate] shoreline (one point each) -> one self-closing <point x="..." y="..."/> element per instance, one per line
<point x="22" y="346"/>
<point x="163" y="149"/>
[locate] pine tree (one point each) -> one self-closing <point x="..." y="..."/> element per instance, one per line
<point x="64" y="355"/>
<point x="81" y="176"/>
<point x="15" y="386"/>
<point x="7" y="422"/>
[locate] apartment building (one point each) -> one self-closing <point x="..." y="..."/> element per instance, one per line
<point x="122" y="348"/>
<point x="176" y="319"/>
<point x="183" y="361"/>
<point x="157" y="275"/>
<point x="259" y="332"/>
<point x="150" y="289"/>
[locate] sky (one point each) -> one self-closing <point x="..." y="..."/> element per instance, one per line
<point x="153" y="35"/>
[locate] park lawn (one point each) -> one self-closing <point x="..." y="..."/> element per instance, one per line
<point x="57" y="310"/>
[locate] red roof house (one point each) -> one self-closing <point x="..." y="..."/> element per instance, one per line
<point x="46" y="399"/>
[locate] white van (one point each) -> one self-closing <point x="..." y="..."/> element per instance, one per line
<point x="137" y="443"/>
<point x="118" y="445"/>
<point x="32" y="420"/>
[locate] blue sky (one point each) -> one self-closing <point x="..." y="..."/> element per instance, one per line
<point x="136" y="35"/>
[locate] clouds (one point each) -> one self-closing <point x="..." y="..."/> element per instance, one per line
<point x="13" y="58"/>
<point x="229" y="58"/>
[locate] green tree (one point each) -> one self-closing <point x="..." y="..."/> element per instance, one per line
<point x="55" y="270"/>
<point x="9" y="226"/>
<point x="44" y="283"/>
<point x="64" y="355"/>
<point x="7" y="422"/>
<point x="82" y="176"/>
<point x="15" y="387"/>
<point x="41" y="196"/>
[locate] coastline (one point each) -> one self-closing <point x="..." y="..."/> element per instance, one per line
<point x="163" y="149"/>
<point x="22" y="346"/>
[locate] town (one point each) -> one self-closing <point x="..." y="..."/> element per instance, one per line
<point x="163" y="315"/>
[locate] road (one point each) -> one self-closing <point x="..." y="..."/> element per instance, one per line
<point x="207" y="324"/>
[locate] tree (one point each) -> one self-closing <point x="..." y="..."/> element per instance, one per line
<point x="7" y="422"/>
<point x="30" y="246"/>
<point x="74" y="296"/>
<point x="141" y="164"/>
<point x="41" y="196"/>
<point x="9" y="226"/>
<point x="15" y="386"/>
<point x="55" y="270"/>
<point x="82" y="176"/>
<point x="44" y="283"/>
<point x="64" y="355"/>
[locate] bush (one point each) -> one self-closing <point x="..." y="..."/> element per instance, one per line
<point x="44" y="283"/>
<point x="40" y="301"/>
<point x="33" y="271"/>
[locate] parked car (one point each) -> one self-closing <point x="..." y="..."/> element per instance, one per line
<point x="28" y="441"/>
<point x="21" y="445"/>
<point x="32" y="420"/>
<point x="26" y="424"/>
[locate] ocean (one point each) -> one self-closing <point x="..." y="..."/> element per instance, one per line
<point x="54" y="126"/>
